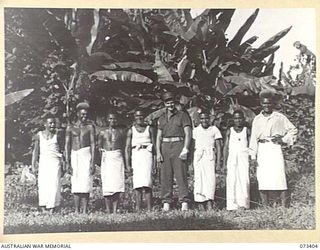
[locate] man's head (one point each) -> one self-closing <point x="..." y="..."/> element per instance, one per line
<point x="205" y="119"/>
<point x="238" y="118"/>
<point x="267" y="101"/>
<point x="113" y="119"/>
<point x="82" y="111"/>
<point x="50" y="124"/>
<point x="169" y="100"/>
<point x="139" y="116"/>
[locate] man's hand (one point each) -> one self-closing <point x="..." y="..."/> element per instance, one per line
<point x="277" y="139"/>
<point x="159" y="158"/>
<point x="184" y="154"/>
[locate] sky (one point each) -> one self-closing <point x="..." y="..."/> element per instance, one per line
<point x="271" y="21"/>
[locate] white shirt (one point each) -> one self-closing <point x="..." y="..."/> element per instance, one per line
<point x="205" y="137"/>
<point x="266" y="127"/>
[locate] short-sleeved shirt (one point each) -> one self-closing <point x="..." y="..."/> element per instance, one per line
<point x="175" y="125"/>
<point x="205" y="137"/>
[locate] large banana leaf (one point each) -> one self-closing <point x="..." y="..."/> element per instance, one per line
<point x="148" y="104"/>
<point x="246" y="44"/>
<point x="265" y="83"/>
<point x="187" y="17"/>
<point x="270" y="60"/>
<point x="16" y="96"/>
<point x="124" y="76"/>
<point x="161" y="70"/>
<point x="260" y="54"/>
<point x="275" y="38"/>
<point x="268" y="71"/>
<point x="236" y="40"/>
<point x="243" y="82"/>
<point x="185" y="70"/>
<point x="246" y="82"/>
<point x="94" y="62"/>
<point x="128" y="65"/>
<point x="173" y="83"/>
<point x="177" y="29"/>
<point x="192" y="31"/>
<point x="225" y="18"/>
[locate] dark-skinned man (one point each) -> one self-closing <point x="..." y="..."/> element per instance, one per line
<point x="80" y="153"/>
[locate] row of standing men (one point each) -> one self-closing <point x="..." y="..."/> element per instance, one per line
<point x="169" y="149"/>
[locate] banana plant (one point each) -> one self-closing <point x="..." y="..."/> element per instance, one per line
<point x="17" y="96"/>
<point x="143" y="51"/>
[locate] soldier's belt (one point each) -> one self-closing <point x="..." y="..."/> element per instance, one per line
<point x="172" y="139"/>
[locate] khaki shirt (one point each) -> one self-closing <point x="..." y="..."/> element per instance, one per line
<point x="175" y="125"/>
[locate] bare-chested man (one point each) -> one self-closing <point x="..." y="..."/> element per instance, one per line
<point x="80" y="153"/>
<point x="111" y="143"/>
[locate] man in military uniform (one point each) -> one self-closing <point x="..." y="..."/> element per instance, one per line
<point x="173" y="146"/>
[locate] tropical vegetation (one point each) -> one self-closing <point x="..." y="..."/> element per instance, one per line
<point x="122" y="59"/>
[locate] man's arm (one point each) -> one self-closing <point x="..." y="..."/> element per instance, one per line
<point x="187" y="141"/>
<point x="248" y="134"/>
<point x="61" y="143"/>
<point x="68" y="150"/>
<point x="100" y="140"/>
<point x="218" y="149"/>
<point x="35" y="153"/>
<point x="253" y="145"/>
<point x="226" y="148"/>
<point x="291" y="136"/>
<point x="61" y="139"/>
<point x="92" y="148"/>
<point x="153" y="141"/>
<point x="187" y="138"/>
<point x="153" y="138"/>
<point x="158" y="146"/>
<point x="128" y="149"/>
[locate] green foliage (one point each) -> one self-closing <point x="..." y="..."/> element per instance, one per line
<point x="107" y="56"/>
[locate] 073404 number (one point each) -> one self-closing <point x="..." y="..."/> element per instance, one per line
<point x="309" y="245"/>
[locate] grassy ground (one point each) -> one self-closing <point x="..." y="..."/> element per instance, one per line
<point x="22" y="215"/>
